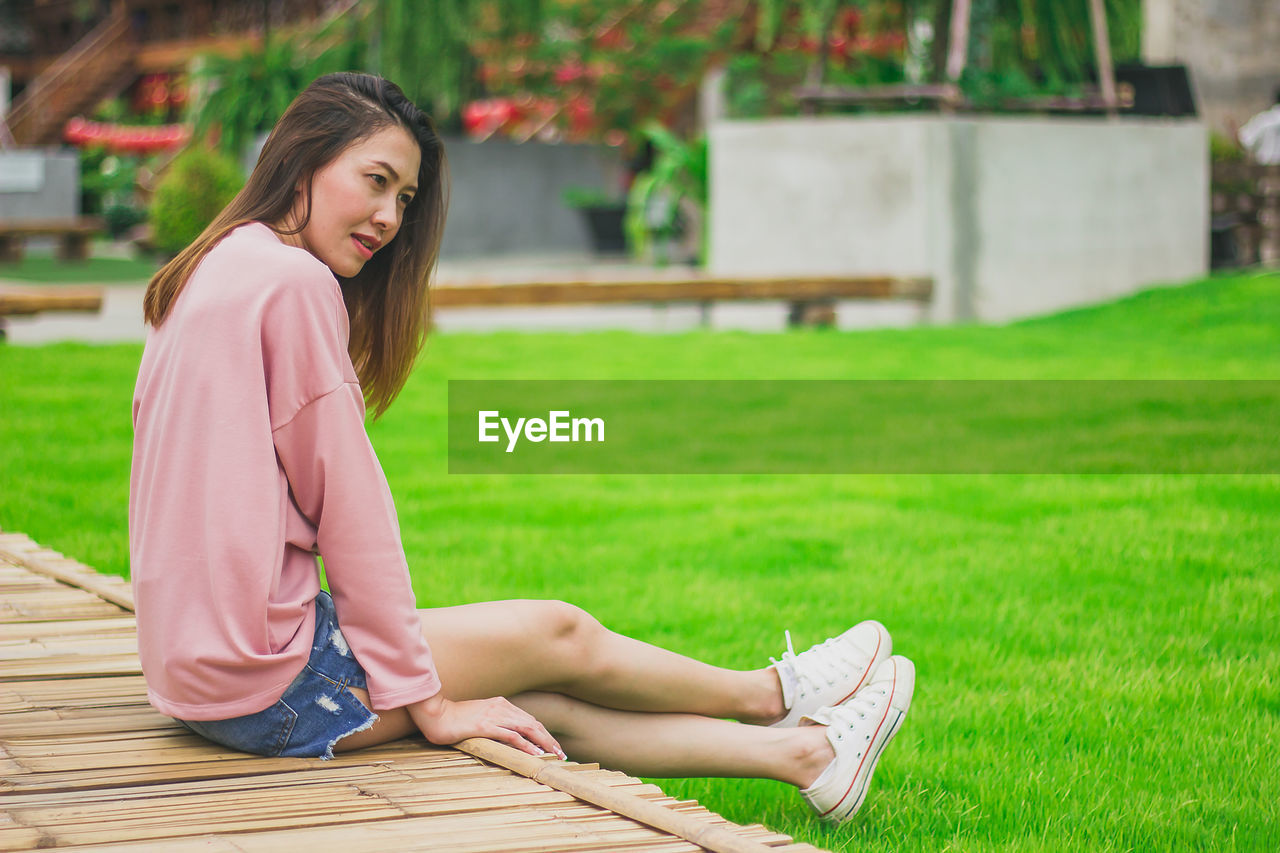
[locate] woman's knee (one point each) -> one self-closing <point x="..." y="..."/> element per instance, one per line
<point x="573" y="633"/>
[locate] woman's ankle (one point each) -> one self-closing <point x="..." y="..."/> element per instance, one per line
<point x="763" y="705"/>
<point x="813" y="754"/>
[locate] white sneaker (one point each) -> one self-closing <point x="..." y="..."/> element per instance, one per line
<point x="830" y="673"/>
<point x="858" y="731"/>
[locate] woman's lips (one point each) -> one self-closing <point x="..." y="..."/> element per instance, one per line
<point x="365" y="251"/>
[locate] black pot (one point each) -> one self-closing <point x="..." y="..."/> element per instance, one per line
<point x="604" y="223"/>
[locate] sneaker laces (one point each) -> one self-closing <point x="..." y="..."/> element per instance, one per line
<point x="842" y="717"/>
<point x="813" y="670"/>
<point x="860" y="705"/>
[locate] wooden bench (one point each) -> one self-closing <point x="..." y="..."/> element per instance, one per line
<point x="73" y="236"/>
<point x="31" y="302"/>
<point x="812" y="298"/>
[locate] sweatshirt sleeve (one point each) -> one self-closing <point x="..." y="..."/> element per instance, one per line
<point x="336" y="481"/>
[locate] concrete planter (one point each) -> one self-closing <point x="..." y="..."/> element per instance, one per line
<point x="1011" y="217"/>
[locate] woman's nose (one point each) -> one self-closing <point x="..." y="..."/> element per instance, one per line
<point x="386" y="216"/>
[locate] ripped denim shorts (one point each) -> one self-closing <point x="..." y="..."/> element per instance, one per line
<point x="315" y="712"/>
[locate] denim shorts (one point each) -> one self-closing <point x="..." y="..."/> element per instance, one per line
<point x="315" y="712"/>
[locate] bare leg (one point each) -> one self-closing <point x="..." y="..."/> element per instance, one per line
<point x="507" y="648"/>
<point x="503" y="648"/>
<point x="649" y="744"/>
<point x="677" y="745"/>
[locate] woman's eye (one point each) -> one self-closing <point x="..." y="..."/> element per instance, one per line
<point x="380" y="180"/>
<point x="405" y="199"/>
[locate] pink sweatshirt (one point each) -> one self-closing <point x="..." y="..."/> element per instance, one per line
<point x="250" y="457"/>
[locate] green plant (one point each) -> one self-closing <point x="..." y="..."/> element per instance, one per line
<point x="1020" y="48"/>
<point x="428" y="47"/>
<point x="106" y="179"/>
<point x="193" y="191"/>
<point x="1017" y="49"/>
<point x="852" y="44"/>
<point x="1224" y="149"/>
<point x="670" y="198"/>
<point x="121" y="217"/>
<point x="580" y="197"/>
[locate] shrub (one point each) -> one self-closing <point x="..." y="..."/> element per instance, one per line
<point x="121" y="217"/>
<point x="193" y="191"/>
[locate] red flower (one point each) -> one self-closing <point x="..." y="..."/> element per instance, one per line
<point x="581" y="113"/>
<point x="483" y="118"/>
<point x="570" y="71"/>
<point x="611" y="38"/>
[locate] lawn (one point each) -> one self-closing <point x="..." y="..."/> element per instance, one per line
<point x="1097" y="654"/>
<point x="42" y="268"/>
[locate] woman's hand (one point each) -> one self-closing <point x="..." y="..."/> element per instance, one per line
<point x="445" y="722"/>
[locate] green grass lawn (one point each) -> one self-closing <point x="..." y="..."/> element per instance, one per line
<point x="1097" y="655"/>
<point x="43" y="268"/>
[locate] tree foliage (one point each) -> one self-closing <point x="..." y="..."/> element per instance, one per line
<point x="610" y="66"/>
<point x="247" y="94"/>
<point x="427" y="48"/>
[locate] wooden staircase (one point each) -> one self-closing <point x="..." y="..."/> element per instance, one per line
<point x="99" y="65"/>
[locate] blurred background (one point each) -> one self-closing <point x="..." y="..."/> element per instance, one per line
<point x="993" y="159"/>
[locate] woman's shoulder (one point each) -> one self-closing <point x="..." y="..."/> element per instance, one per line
<point x="251" y="273"/>
<point x="252" y="287"/>
<point x="253" y="253"/>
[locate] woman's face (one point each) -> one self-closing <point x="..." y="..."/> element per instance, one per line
<point x="358" y="200"/>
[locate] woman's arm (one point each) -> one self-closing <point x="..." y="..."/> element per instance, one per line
<point x="337" y="483"/>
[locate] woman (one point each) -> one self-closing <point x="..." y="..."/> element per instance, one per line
<point x="305" y="299"/>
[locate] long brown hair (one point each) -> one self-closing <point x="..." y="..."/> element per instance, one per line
<point x="387" y="300"/>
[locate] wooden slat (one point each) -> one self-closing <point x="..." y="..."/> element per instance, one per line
<point x="21" y="551"/>
<point x="107" y="627"/>
<point x="501" y="832"/>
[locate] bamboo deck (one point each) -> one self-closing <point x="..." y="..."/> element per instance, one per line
<point x="87" y="764"/>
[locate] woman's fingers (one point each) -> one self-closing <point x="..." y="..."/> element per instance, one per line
<point x="449" y="722"/>
<point x="537" y="735"/>
<point x="532" y="736"/>
<point x="511" y="737"/>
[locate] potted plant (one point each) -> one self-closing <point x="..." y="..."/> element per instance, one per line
<point x="667" y="203"/>
<point x="604" y="213"/>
